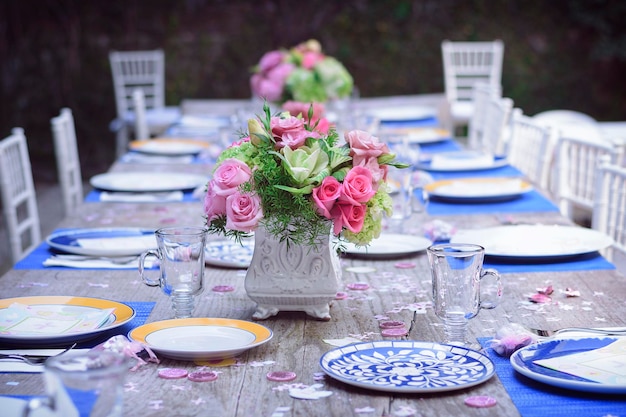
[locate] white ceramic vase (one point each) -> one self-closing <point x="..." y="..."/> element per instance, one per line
<point x="292" y="278"/>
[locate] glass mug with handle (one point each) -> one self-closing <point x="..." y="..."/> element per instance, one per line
<point x="457" y="276"/>
<point x="181" y="266"/>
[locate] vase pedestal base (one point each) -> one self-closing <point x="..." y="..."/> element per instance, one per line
<point x="319" y="311"/>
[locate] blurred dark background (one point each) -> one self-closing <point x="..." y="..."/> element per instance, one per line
<point x="559" y="54"/>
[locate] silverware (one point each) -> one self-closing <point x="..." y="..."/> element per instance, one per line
<point x="34" y="359"/>
<point x="608" y="331"/>
<point x="119" y="260"/>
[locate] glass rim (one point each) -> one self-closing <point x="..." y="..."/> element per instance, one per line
<point x="455" y="249"/>
<point x="182" y="231"/>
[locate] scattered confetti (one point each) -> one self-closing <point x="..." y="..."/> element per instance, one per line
<point x="539" y="298"/>
<point x="570" y="292"/>
<point x="172" y="373"/>
<point x="281" y="376"/>
<point x="319" y="376"/>
<point x="361" y="269"/>
<point x="364" y="410"/>
<point x="156" y="404"/>
<point x="256" y="364"/>
<point x="198" y="401"/>
<point x="480" y="401"/>
<point x="341" y="295"/>
<point x="92" y="284"/>
<point x="309" y="393"/>
<point x="547" y="290"/>
<point x="223" y="288"/>
<point x="405" y="265"/>
<point x="202" y="376"/>
<point x="358" y="286"/>
<point x="395" y="332"/>
<point x="391" y="324"/>
<point x="12" y="383"/>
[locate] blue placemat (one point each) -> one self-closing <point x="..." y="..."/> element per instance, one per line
<point x="423" y="122"/>
<point x="94" y="197"/>
<point x="534" y="399"/>
<point x="448" y="145"/>
<point x="590" y="262"/>
<point x="529" y="202"/>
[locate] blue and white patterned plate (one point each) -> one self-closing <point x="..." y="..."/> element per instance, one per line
<point x="407" y="366"/>
<point x="228" y="253"/>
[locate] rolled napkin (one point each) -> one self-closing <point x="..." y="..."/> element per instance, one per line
<point x="127" y="197"/>
<point x="460" y="160"/>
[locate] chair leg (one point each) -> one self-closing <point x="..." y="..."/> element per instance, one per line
<point x="121" y="141"/>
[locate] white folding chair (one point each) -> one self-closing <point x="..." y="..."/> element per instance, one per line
<point x="531" y="148"/>
<point x="142" y="131"/>
<point x="144" y="70"/>
<point x="482" y="93"/>
<point x="465" y="64"/>
<point x="19" y="201"/>
<point x="496" y="129"/>
<point x="68" y="161"/>
<point x="609" y="209"/>
<point x="576" y="164"/>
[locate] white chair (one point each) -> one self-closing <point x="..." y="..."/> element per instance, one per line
<point x="465" y="64"/>
<point x="496" y="129"/>
<point x="68" y="161"/>
<point x="576" y="164"/>
<point x="142" y="130"/>
<point x="609" y="209"/>
<point x="531" y="148"/>
<point x="144" y="70"/>
<point x="19" y="201"/>
<point x="482" y="93"/>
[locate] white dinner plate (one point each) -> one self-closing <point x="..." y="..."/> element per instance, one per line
<point x="229" y="254"/>
<point x="120" y="241"/>
<point x="523" y="361"/>
<point x="404" y="113"/>
<point x="407" y="366"/>
<point x="389" y="245"/>
<point x="458" y="161"/>
<point x="171" y="147"/>
<point x="534" y="241"/>
<point x="72" y="305"/>
<point x="478" y="190"/>
<point x="199" y="339"/>
<point x="147" y="181"/>
<point x="413" y="135"/>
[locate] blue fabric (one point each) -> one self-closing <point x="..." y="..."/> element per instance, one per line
<point x="448" y="145"/>
<point x="591" y="262"/>
<point x="394" y="124"/>
<point x="535" y="399"/>
<point x="94" y="196"/>
<point x="529" y="202"/>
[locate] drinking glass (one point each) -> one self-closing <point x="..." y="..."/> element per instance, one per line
<point x="90" y="383"/>
<point x="181" y="257"/>
<point x="457" y="273"/>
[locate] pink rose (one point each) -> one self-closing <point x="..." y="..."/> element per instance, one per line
<point x="323" y="126"/>
<point x="349" y="216"/>
<point x="363" y="145"/>
<point x="268" y="89"/>
<point x="379" y="172"/>
<point x="357" y="186"/>
<point x="229" y="176"/>
<point x="270" y="60"/>
<point x="243" y="212"/>
<point x="326" y="194"/>
<point x="289" y="131"/>
<point x="214" y="205"/>
<point x="310" y="59"/>
<point x="296" y="108"/>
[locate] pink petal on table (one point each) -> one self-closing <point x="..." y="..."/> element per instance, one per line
<point x="540" y="298"/>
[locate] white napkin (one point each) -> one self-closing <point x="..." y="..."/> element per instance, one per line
<point x="16" y="365"/>
<point x="92" y="263"/>
<point x="140" y="197"/>
<point x="156" y="159"/>
<point x="137" y="244"/>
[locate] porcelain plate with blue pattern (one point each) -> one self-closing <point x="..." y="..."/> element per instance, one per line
<point x="407" y="366"/>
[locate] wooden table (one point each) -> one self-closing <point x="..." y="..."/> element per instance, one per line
<point x="243" y="390"/>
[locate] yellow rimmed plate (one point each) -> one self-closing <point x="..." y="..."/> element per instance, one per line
<point x="478" y="190"/>
<point x="121" y="315"/>
<point x="198" y="339"/>
<point x="170" y="147"/>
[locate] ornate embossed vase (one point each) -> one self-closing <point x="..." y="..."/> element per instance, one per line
<point x="292" y="278"/>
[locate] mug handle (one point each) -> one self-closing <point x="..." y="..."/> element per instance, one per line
<point x="148" y="281"/>
<point x="489" y="304"/>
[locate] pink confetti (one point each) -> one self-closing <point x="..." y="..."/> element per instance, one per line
<point x="223" y="288"/>
<point x="341" y="295"/>
<point x="405" y="265"/>
<point x="540" y="298"/>
<point x="570" y="292"/>
<point x="281" y="376"/>
<point x="480" y="401"/>
<point x="546" y="291"/>
<point x="202" y="376"/>
<point x="172" y="373"/>
<point x="395" y="332"/>
<point x="358" y="286"/>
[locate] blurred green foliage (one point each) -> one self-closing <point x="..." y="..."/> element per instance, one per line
<point x="559" y="54"/>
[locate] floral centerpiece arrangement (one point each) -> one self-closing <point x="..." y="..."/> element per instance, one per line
<point x="292" y="175"/>
<point x="303" y="74"/>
